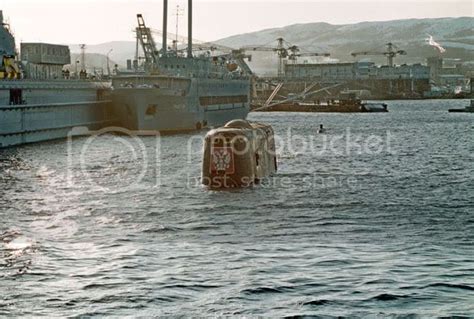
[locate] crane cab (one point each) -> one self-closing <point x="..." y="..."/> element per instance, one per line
<point x="239" y="154"/>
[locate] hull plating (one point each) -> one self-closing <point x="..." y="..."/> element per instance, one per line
<point x="49" y="110"/>
<point x="180" y="104"/>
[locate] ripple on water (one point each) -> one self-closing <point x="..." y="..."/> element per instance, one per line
<point x="393" y="242"/>
<point x="17" y="252"/>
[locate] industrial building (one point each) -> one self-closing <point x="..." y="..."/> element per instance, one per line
<point x="321" y="71"/>
<point x="327" y="72"/>
<point x="44" y="61"/>
<point x="382" y="81"/>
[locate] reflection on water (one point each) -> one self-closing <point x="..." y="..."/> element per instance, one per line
<point x="333" y="233"/>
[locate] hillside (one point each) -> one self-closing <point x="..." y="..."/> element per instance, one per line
<point x="121" y="50"/>
<point x="455" y="34"/>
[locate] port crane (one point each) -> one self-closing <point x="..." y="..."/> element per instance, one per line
<point x="197" y="44"/>
<point x="147" y="42"/>
<point x="145" y="39"/>
<point x="294" y="57"/>
<point x="294" y="54"/>
<point x="237" y="55"/>
<point x="284" y="50"/>
<point x="151" y="53"/>
<point x="280" y="50"/>
<point x="392" y="51"/>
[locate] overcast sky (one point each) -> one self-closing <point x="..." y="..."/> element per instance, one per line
<point x="98" y="21"/>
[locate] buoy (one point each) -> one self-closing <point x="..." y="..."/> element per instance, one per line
<point x="239" y="154"/>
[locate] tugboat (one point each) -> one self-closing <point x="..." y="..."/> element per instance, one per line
<point x="175" y="93"/>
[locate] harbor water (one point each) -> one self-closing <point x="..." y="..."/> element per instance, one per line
<point x="375" y="217"/>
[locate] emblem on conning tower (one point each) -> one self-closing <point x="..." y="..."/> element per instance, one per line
<point x="222" y="160"/>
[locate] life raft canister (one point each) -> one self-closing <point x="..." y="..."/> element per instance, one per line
<point x="239" y="154"/>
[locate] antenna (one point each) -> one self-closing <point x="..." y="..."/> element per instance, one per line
<point x="179" y="12"/>
<point x="108" y="61"/>
<point x="83" y="57"/>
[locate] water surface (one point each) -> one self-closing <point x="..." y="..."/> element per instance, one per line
<point x="385" y="232"/>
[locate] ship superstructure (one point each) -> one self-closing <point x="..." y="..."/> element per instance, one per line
<point x="177" y="92"/>
<point x="39" y="99"/>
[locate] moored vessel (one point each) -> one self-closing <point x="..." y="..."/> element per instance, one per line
<point x="175" y="92"/>
<point x="350" y="105"/>
<point x="467" y="109"/>
<point x="39" y="99"/>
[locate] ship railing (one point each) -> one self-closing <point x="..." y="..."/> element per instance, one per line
<point x="55" y="105"/>
<point x="54" y="80"/>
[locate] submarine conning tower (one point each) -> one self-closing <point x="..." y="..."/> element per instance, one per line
<point x="239" y="154"/>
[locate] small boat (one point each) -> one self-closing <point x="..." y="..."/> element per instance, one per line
<point x="347" y="105"/>
<point x="373" y="107"/>
<point x="467" y="109"/>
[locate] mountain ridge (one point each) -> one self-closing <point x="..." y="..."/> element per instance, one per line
<point x="454" y="33"/>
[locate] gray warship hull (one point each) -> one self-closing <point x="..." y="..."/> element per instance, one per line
<point x="176" y="104"/>
<point x="41" y="110"/>
<point x="40" y="99"/>
<point x="167" y="91"/>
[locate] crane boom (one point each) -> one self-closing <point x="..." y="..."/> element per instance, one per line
<point x="251" y="48"/>
<point x="198" y="45"/>
<point x="284" y="50"/>
<point x="313" y="54"/>
<point x="147" y="42"/>
<point x="390" y="53"/>
<point x="354" y="54"/>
